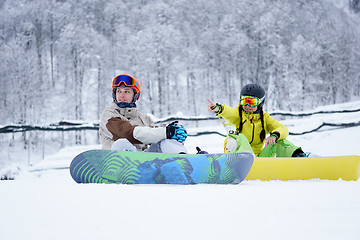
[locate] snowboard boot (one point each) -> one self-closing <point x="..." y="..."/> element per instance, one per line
<point x="299" y="153"/>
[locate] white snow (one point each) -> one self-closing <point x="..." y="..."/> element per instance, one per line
<point x="47" y="204"/>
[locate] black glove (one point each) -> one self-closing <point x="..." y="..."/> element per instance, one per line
<point x="219" y="106"/>
<point x="176" y="131"/>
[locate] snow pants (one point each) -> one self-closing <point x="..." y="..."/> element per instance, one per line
<point x="164" y="146"/>
<point x="282" y="148"/>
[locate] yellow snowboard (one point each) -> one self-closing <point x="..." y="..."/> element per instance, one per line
<point x="331" y="168"/>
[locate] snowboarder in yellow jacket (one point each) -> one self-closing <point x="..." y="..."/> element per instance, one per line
<point x="255" y="130"/>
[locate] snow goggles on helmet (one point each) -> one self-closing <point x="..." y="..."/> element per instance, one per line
<point x="125" y="80"/>
<point x="249" y="100"/>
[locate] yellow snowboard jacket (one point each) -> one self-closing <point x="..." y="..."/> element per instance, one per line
<point x="252" y="126"/>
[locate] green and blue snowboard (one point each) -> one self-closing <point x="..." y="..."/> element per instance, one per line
<point x="104" y="166"/>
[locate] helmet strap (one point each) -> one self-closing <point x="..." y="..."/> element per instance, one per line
<point x="136" y="96"/>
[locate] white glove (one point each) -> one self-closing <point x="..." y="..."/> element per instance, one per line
<point x="231" y="145"/>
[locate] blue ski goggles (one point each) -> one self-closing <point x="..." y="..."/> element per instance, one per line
<point x="126" y="81"/>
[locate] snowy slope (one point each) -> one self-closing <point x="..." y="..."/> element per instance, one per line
<point x="48" y="204"/>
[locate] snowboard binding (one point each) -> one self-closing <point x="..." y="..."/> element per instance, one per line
<point x="199" y="151"/>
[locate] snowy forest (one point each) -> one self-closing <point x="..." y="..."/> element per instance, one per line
<point x="58" y="57"/>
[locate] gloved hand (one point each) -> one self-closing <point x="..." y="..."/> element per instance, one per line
<point x="176" y="131"/>
<point x="231" y="144"/>
<point x="231" y="140"/>
<point x="215" y="108"/>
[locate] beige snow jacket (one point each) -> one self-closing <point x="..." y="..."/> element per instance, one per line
<point x="129" y="123"/>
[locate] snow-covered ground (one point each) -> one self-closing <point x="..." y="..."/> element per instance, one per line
<point x="47" y="204"/>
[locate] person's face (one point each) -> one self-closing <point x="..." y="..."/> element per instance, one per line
<point x="247" y="108"/>
<point x="124" y="94"/>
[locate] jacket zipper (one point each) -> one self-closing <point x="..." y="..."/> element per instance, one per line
<point x="253" y="132"/>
